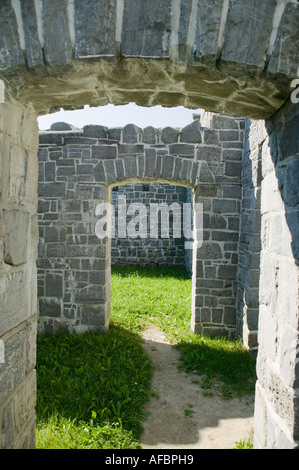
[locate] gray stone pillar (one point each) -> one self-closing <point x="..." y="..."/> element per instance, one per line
<point x="18" y="295"/>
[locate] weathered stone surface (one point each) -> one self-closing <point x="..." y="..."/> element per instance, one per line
<point x="50" y="307"/>
<point x="149" y="135"/>
<point x="131" y="134"/>
<point x="10" y="49"/>
<point x="60" y="126"/>
<point x="285" y="55"/>
<point x="169" y="135"/>
<point x="58" y="46"/>
<point x="183" y="150"/>
<point x="184" y="20"/>
<point x="247" y="32"/>
<point x="207" y="29"/>
<point x="146" y="28"/>
<point x="34" y="54"/>
<point x="192" y="133"/>
<point x="95" y="28"/>
<point x="14" y="308"/>
<point x="54" y="285"/>
<point x="16" y="232"/>
<point x="99" y="132"/>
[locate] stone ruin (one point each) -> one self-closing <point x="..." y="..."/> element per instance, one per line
<point x="239" y="58"/>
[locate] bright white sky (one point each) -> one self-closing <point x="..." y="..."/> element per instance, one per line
<point x="120" y="116"/>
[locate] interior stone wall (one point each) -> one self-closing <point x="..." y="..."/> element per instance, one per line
<point x="147" y="251"/>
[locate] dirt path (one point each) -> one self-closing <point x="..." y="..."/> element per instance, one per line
<point x="179" y="415"/>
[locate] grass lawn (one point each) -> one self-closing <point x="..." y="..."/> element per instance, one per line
<point x="92" y="389"/>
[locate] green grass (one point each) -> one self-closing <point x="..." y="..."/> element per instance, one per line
<point x="103" y="378"/>
<point x="160" y="296"/>
<point x="92" y="389"/>
<point x="163" y="297"/>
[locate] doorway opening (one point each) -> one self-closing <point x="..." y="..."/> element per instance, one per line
<point x="151" y="256"/>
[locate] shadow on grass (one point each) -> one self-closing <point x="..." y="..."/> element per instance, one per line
<point x="104" y="377"/>
<point x="222" y="360"/>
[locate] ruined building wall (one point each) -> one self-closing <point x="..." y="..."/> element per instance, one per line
<point x="78" y="170"/>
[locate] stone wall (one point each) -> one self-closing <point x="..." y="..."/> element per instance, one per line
<point x="250" y="238"/>
<point x="18" y="293"/>
<point x="78" y="170"/>
<point x="160" y="251"/>
<point x="276" y="408"/>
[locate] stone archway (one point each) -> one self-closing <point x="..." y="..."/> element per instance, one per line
<point x="224" y="56"/>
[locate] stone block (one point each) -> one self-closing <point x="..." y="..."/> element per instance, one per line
<point x="16" y="233"/>
<point x="50" y="307"/>
<point x="150" y="135"/>
<point x="54" y="234"/>
<point x="207" y="29"/>
<point x="130" y="149"/>
<point x="34" y="54"/>
<point x="104" y="151"/>
<point x="114" y="133"/>
<point x="50" y="171"/>
<point x="219" y="121"/>
<point x="183" y="150"/>
<point x="224" y="206"/>
<point x="99" y="173"/>
<point x="209" y="251"/>
<point x="51" y="189"/>
<point x="146" y="28"/>
<point x="79" y="251"/>
<point x="95" y="28"/>
<point x="95" y="131"/>
<point x="285" y="58"/>
<point x="209" y="153"/>
<point x="54" y="287"/>
<point x="93" y="315"/>
<point x="58" y="44"/>
<point x="91" y="294"/>
<point x="24" y="402"/>
<point x="60" y="126"/>
<point x="170" y="135"/>
<point x="11" y="52"/>
<point x="131" y="134"/>
<point x="150" y="162"/>
<point x="226" y="271"/>
<point x="109" y="166"/>
<point x="233" y="169"/>
<point x="130" y="165"/>
<point x="192" y="133"/>
<point x="229" y="136"/>
<point x="50" y="138"/>
<point x="249" y="26"/>
<point x="55" y="250"/>
<point x="167" y="168"/>
<point x="120" y="171"/>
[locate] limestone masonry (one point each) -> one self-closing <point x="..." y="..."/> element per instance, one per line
<point x="232" y="58"/>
